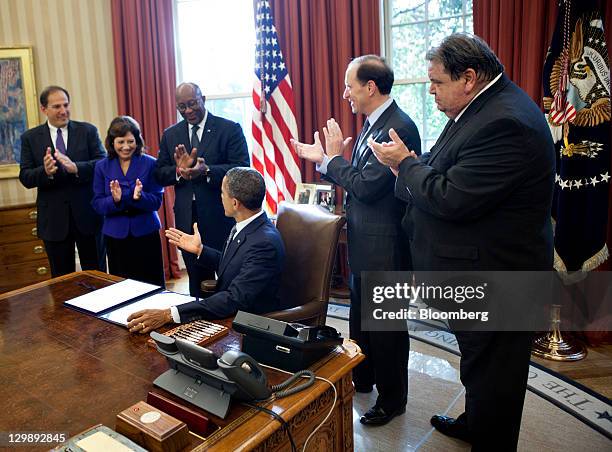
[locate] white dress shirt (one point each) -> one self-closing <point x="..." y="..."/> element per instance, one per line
<point x="53" y="131"/>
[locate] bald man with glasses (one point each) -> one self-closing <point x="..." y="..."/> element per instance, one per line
<point x="194" y="156"/>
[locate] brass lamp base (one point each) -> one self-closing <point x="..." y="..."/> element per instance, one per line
<point x="551" y="345"/>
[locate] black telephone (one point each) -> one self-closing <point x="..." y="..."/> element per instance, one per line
<point x="199" y="376"/>
<point x="288" y="346"/>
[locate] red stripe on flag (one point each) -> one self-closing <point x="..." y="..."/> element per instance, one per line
<point x="287" y="91"/>
<point x="278" y="154"/>
<point x="263" y="167"/>
<point x="282" y="125"/>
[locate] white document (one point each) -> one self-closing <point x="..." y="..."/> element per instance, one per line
<point x="113" y="295"/>
<point x="161" y="300"/>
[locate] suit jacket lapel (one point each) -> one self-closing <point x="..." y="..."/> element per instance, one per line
<point x="187" y="141"/>
<point x="73" y="133"/>
<point x="209" y="129"/>
<point x="442" y="139"/>
<point x="375" y="131"/>
<point x="186" y="137"/>
<point x="452" y="128"/>
<point x="45" y="137"/>
<point x="238" y="241"/>
<point x="355" y="155"/>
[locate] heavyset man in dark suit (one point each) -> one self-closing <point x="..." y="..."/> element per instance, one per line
<point x="58" y="158"/>
<point x="215" y="145"/>
<point x="481" y="200"/>
<point x="249" y="265"/>
<point x="375" y="237"/>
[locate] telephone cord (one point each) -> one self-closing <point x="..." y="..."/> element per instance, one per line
<point x="331" y="410"/>
<point x="276" y="389"/>
<point x="278" y="417"/>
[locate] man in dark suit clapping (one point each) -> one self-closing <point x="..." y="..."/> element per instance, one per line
<point x="481" y="200"/>
<point x="58" y="158"/>
<point x="376" y="241"/>
<point x="194" y="155"/>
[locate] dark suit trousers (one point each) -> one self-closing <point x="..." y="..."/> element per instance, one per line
<point x="494" y="368"/>
<point x="386" y="363"/>
<point x="61" y="253"/>
<point x="196" y="272"/>
<point x="138" y="258"/>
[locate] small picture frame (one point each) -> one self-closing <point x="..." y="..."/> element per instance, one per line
<point x="305" y="194"/>
<point x="324" y="197"/>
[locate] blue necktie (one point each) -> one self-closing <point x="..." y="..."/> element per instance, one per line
<point x="59" y="142"/>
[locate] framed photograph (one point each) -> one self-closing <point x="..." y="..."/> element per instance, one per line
<point x="19" y="110"/>
<point x="305" y="194"/>
<point x="325" y="197"/>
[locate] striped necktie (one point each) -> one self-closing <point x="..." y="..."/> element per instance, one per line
<point x="359" y="149"/>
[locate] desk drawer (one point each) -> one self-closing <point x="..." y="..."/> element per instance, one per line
<point x="14" y="253"/>
<point x="18" y="216"/>
<point x="14" y="276"/>
<point x="18" y="233"/>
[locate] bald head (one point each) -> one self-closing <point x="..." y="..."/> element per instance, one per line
<point x="190" y="102"/>
<point x="188" y="88"/>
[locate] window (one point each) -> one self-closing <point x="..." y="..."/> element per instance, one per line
<point x="215" y="47"/>
<point x="411" y="27"/>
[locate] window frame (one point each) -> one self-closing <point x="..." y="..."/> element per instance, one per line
<point x="209" y="97"/>
<point x="387" y="52"/>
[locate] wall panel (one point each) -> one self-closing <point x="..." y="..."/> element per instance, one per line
<point x="72" y="47"/>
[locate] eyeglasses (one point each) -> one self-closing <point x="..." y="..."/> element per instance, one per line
<point x="192" y="103"/>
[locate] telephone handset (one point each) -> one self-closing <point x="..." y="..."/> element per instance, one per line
<point x="195" y="371"/>
<point x="245" y="372"/>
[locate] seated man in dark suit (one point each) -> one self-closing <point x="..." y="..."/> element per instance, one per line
<point x="249" y="267"/>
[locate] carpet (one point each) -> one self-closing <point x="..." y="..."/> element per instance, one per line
<point x="584" y="404"/>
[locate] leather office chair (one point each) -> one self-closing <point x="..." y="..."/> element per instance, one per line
<point x="310" y="235"/>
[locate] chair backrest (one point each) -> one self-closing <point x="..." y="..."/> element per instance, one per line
<point x="310" y="234"/>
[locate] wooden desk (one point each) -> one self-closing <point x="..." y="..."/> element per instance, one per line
<point x="64" y="371"/>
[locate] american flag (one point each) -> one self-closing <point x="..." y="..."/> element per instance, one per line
<point x="274" y="117"/>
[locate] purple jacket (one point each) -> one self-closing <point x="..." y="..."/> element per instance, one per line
<point x="137" y="218"/>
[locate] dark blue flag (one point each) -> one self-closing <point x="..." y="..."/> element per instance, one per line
<point x="577" y="103"/>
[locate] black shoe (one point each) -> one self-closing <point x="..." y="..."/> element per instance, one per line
<point x="363" y="388"/>
<point x="451" y="427"/>
<point x="377" y="416"/>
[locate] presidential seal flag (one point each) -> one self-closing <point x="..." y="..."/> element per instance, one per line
<point x="274" y="117"/>
<point x="577" y="105"/>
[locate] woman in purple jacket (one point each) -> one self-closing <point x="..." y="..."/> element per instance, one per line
<point x="126" y="194"/>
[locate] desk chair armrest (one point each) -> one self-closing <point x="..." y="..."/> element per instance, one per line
<point x="208" y="287"/>
<point x="312" y="313"/>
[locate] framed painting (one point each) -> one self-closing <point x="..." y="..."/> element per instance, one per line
<point x="18" y="107"/>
